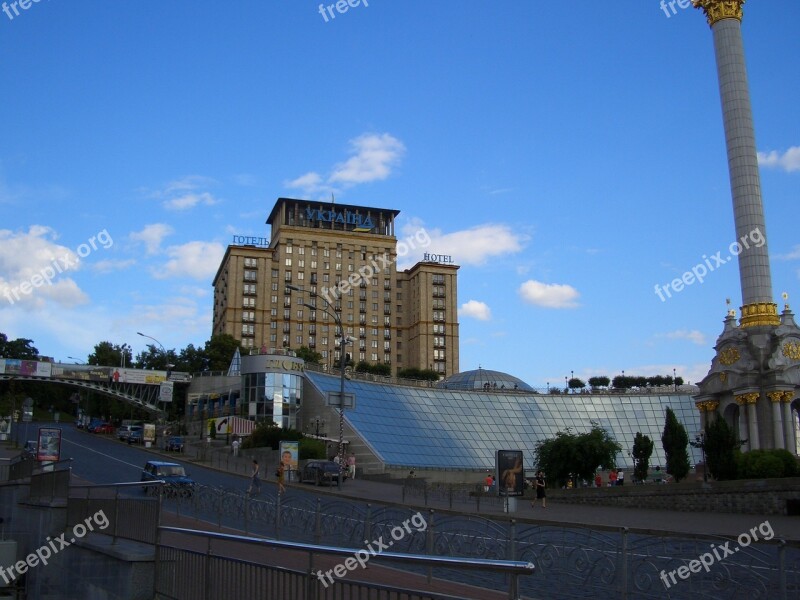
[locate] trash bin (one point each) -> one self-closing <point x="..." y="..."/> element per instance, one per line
<point x="510" y="504"/>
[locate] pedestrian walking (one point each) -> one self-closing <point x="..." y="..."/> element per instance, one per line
<point x="351" y="466"/>
<point x="255" y="482"/>
<point x="540" y="487"/>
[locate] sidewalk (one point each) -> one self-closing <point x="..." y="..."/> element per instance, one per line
<point x="648" y="521"/>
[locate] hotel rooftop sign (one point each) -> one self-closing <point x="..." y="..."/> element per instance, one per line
<point x="333" y="216"/>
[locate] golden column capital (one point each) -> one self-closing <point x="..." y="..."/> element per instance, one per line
<point x="747" y="398"/>
<point x="775" y="397"/>
<point x="788" y="396"/>
<point x="716" y="10"/>
<point x="707" y="405"/>
<point x="759" y="314"/>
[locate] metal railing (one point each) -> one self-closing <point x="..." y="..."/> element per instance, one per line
<point x="210" y="575"/>
<point x="50" y="481"/>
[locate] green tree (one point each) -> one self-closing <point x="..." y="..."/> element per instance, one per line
<point x="721" y="447"/>
<point x="309" y="355"/>
<point x="576" y="384"/>
<point x="576" y="454"/>
<point x="599" y="382"/>
<point x="642" y="450"/>
<point x="191" y="360"/>
<point x="155" y="358"/>
<point x="675" y="440"/>
<point x="107" y="354"/>
<point x="22" y="348"/>
<point x="219" y="351"/>
<point x="415" y="373"/>
<point x="268" y="435"/>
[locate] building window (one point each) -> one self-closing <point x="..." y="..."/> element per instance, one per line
<point x="274" y="272"/>
<point x="249" y="275"/>
<point x="250" y="262"/>
<point x="249" y="288"/>
<point x="288" y="262"/>
<point x="248" y="302"/>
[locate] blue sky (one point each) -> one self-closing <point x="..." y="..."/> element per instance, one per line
<point x="570" y="156"/>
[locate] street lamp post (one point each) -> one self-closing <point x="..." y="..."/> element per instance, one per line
<point x="166" y="358"/>
<point x="700" y="442"/>
<point x="342" y="348"/>
<point x="78" y="361"/>
<point x="122" y="357"/>
<point x="674" y="382"/>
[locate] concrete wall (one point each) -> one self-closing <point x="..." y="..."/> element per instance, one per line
<point x="764" y="496"/>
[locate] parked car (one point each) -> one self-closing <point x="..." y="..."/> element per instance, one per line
<point x="136" y="436"/>
<point x="125" y="430"/>
<point x="93" y="424"/>
<point x="321" y="471"/>
<point x="30" y="449"/>
<point x="177" y="482"/>
<point x="174" y="444"/>
<point x="103" y="428"/>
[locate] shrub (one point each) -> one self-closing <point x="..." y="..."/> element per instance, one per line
<point x="311" y="449"/>
<point x="761" y="464"/>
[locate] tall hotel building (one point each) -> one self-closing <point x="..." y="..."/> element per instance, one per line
<point x="345" y="259"/>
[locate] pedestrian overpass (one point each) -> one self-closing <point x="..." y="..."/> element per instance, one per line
<point x="145" y="389"/>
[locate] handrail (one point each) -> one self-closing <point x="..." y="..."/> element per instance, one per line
<point x="518" y="567"/>
<point x="124" y="484"/>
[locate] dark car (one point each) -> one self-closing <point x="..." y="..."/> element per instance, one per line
<point x="321" y="471"/>
<point x="174" y="444"/>
<point x="136" y="436"/>
<point x="177" y="482"/>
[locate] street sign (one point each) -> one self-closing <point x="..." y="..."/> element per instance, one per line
<point x="332" y="399"/>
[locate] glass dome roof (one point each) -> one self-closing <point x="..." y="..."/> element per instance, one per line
<point x="484" y="379"/>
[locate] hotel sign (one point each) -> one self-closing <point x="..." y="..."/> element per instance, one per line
<point x="444" y="259"/>
<point x="360" y="222"/>
<point x="246" y="240"/>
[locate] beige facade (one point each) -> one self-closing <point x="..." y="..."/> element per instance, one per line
<point x="344" y="257"/>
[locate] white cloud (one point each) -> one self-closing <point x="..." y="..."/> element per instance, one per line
<point x="197" y="260"/>
<point x="186" y="193"/>
<point x="34" y="269"/>
<point x="111" y="266"/>
<point x="187" y="201"/>
<point x="476" y="310"/>
<point x="694" y="336"/>
<point x="793" y="255"/>
<point x="152" y="236"/>
<point x="788" y="161"/>
<point x="549" y="295"/>
<point x="373" y="158"/>
<point x="473" y="246"/>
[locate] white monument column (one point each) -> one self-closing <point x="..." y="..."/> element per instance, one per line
<point x="724" y="17"/>
<point x="790" y="443"/>
<point x="743" y="433"/>
<point x="777" y="419"/>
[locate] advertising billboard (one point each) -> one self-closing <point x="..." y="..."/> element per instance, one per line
<point x="30" y="368"/>
<point x="49" y="449"/>
<point x="510" y="473"/>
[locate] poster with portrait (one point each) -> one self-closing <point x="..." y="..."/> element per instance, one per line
<point x="510" y="472"/>
<point x="289" y="454"/>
